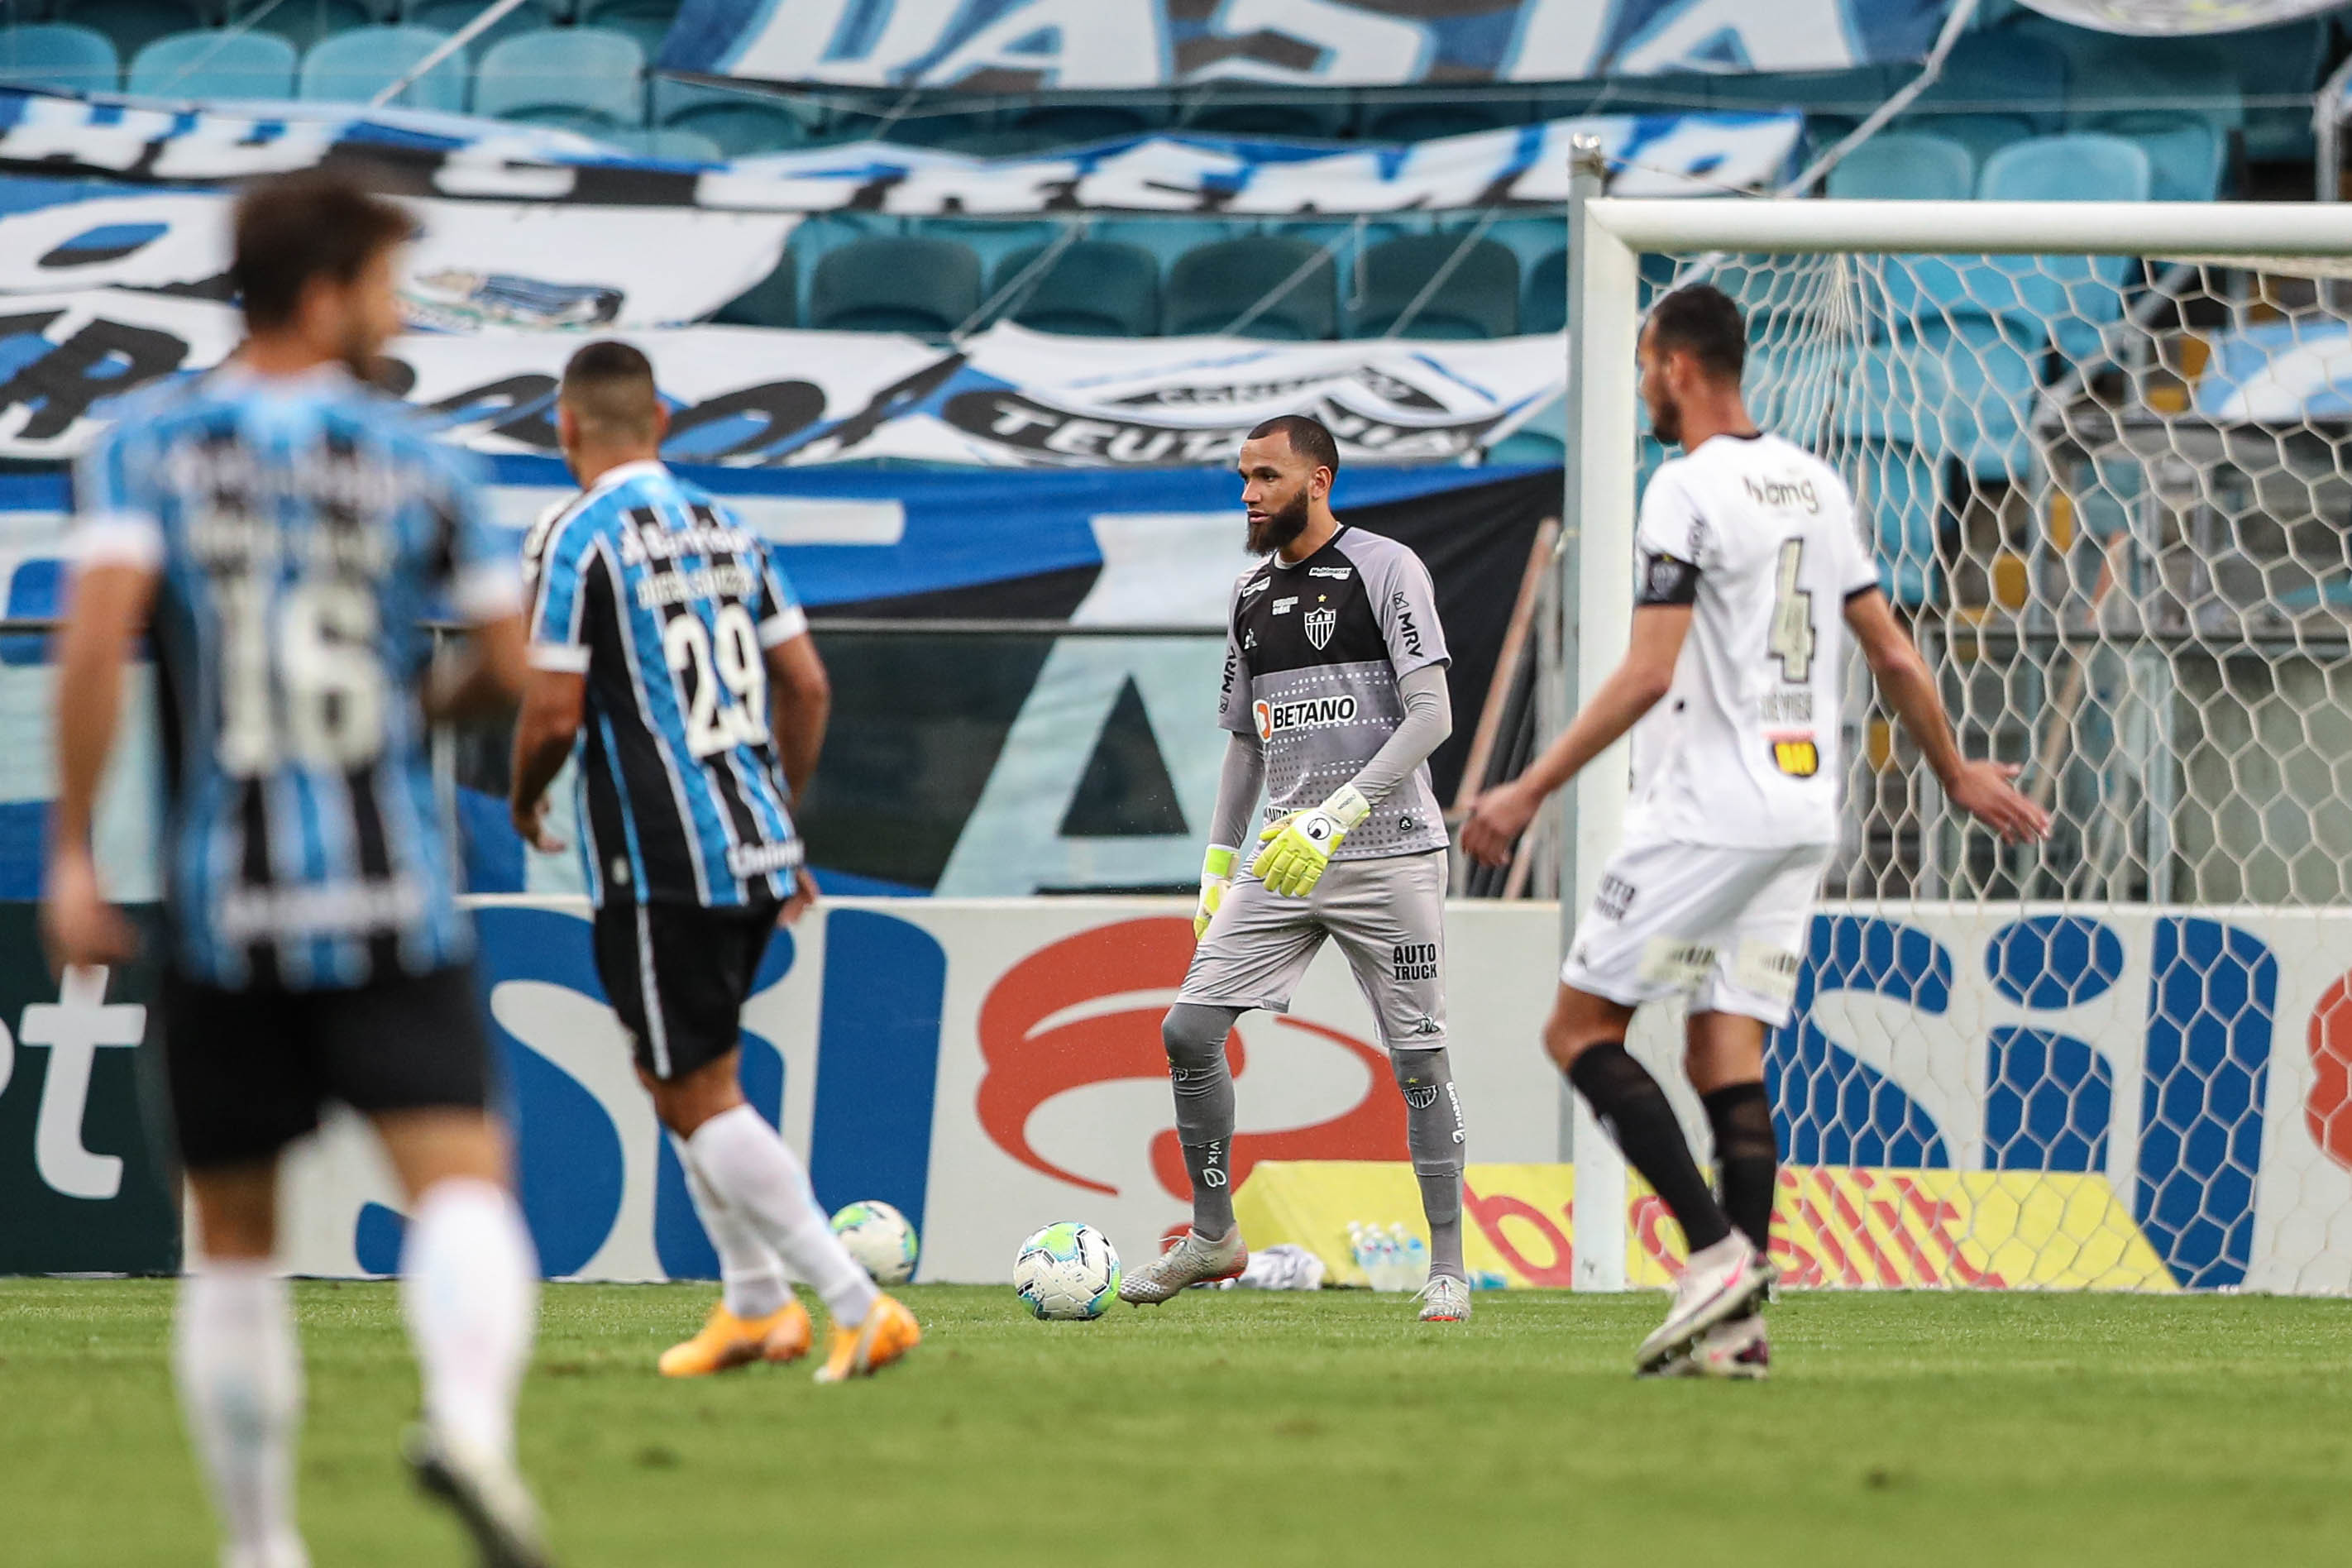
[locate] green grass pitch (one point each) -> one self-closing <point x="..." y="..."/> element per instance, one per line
<point x="1899" y="1431"/>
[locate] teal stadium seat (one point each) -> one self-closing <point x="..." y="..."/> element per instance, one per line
<point x="215" y="65"/>
<point x="1092" y="288"/>
<point x="1428" y="121"/>
<point x="2006" y="71"/>
<point x="353" y="67"/>
<point x="449" y="15"/>
<point x="582" y="79"/>
<point x="646" y="21"/>
<point x="306" y="24"/>
<point x="1543" y="303"/>
<point x="739" y="123"/>
<point x="991" y="239"/>
<point x="1981" y="136"/>
<point x="59" y="56"/>
<point x="1211" y="288"/>
<point x="1896" y="166"/>
<point x="2188" y="159"/>
<point x="1478" y="296"/>
<point x="132" y="25"/>
<point x="1319" y="119"/>
<point x="772" y="301"/>
<point x="679" y="146"/>
<point x="1045" y="125"/>
<point x="1167" y="238"/>
<point x="928" y="287"/>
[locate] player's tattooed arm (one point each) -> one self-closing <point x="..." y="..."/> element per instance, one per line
<point x="1637" y="685"/>
<point x="1985" y="790"/>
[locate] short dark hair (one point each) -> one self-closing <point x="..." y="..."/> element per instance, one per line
<point x="314" y="223"/>
<point x="1701" y="320"/>
<point x="1308" y="436"/>
<point x="609" y="387"/>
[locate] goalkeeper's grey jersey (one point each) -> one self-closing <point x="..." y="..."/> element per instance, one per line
<point x="1313" y="655"/>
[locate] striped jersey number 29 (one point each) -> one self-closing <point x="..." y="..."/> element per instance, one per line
<point x="1792" y="640"/>
<point x="723" y="655"/>
<point x="300" y="679"/>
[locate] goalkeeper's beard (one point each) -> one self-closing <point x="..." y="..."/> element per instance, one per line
<point x="1278" y="529"/>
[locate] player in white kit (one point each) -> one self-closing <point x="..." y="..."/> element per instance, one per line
<point x="1751" y="577"/>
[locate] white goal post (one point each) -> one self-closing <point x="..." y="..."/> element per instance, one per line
<point x="2099" y="449"/>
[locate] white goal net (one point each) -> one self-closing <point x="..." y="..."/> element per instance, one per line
<point x="2108" y="475"/>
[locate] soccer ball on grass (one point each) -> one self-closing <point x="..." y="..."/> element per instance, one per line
<point x="1066" y="1272"/>
<point x="879" y="1237"/>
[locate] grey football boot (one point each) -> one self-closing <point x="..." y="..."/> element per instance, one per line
<point x="1192" y="1262"/>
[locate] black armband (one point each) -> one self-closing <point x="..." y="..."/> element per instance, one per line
<point x="1668" y="581"/>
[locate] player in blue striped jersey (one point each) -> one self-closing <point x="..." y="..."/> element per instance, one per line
<point x="667" y="650"/>
<point x="280" y="528"/>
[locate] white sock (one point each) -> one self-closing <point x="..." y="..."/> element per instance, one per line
<point x="240" y="1377"/>
<point x="470" y="1287"/>
<point x="751" y="1274"/>
<point x="752" y="1171"/>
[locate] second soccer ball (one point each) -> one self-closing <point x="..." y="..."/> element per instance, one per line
<point x="880" y="1238"/>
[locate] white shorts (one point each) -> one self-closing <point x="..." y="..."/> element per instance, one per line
<point x="1725" y="927"/>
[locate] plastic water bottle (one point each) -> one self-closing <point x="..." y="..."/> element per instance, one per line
<point x="1413" y="1260"/>
<point x="1362" y="1248"/>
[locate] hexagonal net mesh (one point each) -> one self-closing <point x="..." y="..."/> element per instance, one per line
<point x="2110" y="496"/>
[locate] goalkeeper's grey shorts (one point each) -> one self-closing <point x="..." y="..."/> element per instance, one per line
<point x="1387" y="916"/>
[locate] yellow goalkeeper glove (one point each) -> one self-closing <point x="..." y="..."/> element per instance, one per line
<point x="1299" y="846"/>
<point x="1216" y="876"/>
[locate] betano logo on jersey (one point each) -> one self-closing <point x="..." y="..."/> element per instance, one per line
<point x="1314" y="713"/>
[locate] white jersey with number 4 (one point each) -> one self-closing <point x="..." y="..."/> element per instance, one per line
<point x="1758" y="536"/>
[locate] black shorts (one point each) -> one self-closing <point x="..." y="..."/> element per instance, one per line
<point x="676" y="975"/>
<point x="250" y="1069"/>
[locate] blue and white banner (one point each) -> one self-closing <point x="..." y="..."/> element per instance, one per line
<point x="1033" y="46"/>
<point x="2170" y="19"/>
<point x="460" y="160"/>
<point x="2279" y="373"/>
<point x="757" y="397"/>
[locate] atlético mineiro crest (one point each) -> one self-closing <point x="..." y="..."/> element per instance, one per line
<point x="1320" y="623"/>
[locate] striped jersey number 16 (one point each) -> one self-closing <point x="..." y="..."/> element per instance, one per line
<point x="300" y="681"/>
<point x="724" y="654"/>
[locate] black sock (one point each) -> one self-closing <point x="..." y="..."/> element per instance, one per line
<point x="1747" y="1157"/>
<point x="1635" y="1108"/>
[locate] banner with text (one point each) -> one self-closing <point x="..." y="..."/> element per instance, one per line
<point x="756" y="396"/>
<point x="1034" y="45"/>
<point x="456" y="158"/>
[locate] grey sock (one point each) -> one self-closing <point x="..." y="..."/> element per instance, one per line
<point x="1434" y="1132"/>
<point x="1196" y="1038"/>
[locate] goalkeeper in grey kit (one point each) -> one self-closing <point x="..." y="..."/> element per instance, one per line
<point x="1335" y="695"/>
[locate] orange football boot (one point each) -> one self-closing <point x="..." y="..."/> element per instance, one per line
<point x="728" y="1341"/>
<point x="888" y="1332"/>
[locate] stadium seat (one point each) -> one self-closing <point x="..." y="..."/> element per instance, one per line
<point x="2187" y="158"/>
<point x="1210" y="287"/>
<point x="1478" y="298"/>
<point x="1076" y="124"/>
<point x="1961" y="388"/>
<point x="449" y="15"/>
<point x="58" y="55"/>
<point x="1093" y="289"/>
<point x="1541" y="441"/>
<point x="772" y="301"/>
<point x="2073" y="295"/>
<point x="682" y="146"/>
<point x="1428" y="121"/>
<point x="646" y="21"/>
<point x="2011" y="71"/>
<point x="991" y="240"/>
<point x="213" y="65"/>
<point x="1319" y="119"/>
<point x="1167" y="238"/>
<point x="132" y="25"/>
<point x="353" y="67"/>
<point x="306" y="24"/>
<point x="929" y="287"/>
<point x="584" y="78"/>
<point x="1897" y="492"/>
<point x="740" y="123"/>
<point x="1543" y="302"/>
<point x="1982" y="134"/>
<point x="1896" y="166"/>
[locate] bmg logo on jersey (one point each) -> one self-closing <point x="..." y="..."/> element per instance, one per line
<point x="1313" y="714"/>
<point x="1783" y="495"/>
